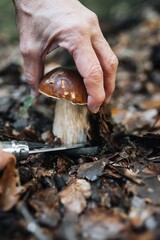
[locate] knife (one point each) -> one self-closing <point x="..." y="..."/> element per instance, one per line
<point x="22" y="149"/>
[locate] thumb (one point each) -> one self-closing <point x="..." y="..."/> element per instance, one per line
<point x="5" y="158"/>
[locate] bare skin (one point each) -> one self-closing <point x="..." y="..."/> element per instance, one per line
<point x="45" y="25"/>
<point x="5" y="158"/>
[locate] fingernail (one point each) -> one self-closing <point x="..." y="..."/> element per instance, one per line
<point x="107" y="100"/>
<point x="96" y="110"/>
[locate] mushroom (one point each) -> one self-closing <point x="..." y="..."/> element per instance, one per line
<point x="70" y="122"/>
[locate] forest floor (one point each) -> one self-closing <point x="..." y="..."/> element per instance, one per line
<point x="113" y="194"/>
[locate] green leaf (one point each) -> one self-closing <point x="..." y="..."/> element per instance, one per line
<point x="28" y="102"/>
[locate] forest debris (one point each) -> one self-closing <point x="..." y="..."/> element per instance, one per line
<point x="132" y="176"/>
<point x="31" y="224"/>
<point x="101" y="128"/>
<point x="48" y="137"/>
<point x="148" y="140"/>
<point x="101" y="224"/>
<point x="121" y="172"/>
<point x="5" y="102"/>
<point x="147" y="235"/>
<point x="9" y="186"/>
<point x="45" y="203"/>
<point x="141" y="215"/>
<point x="4" y="96"/>
<point x="75" y="194"/>
<point x="150" y="104"/>
<point x="29" y="134"/>
<point x="153" y="169"/>
<point x="92" y="170"/>
<point x="69" y="227"/>
<point x="133" y="119"/>
<point x="150" y="191"/>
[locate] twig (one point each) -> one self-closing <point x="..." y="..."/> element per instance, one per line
<point x="32" y="225"/>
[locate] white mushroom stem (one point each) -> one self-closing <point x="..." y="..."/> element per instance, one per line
<point x="70" y="122"/>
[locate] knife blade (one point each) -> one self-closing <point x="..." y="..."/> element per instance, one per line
<point x="22" y="149"/>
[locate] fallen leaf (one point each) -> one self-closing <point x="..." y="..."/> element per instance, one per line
<point x="75" y="194"/>
<point x="91" y="170"/>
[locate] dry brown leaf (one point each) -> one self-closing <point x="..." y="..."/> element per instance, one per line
<point x="9" y="189"/>
<point x="75" y="194"/>
<point x="91" y="170"/>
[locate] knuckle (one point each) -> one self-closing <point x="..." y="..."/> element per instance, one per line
<point x="28" y="77"/>
<point x="100" y="98"/>
<point x="28" y="50"/>
<point x="113" y="63"/>
<point x="76" y="24"/>
<point x="97" y="74"/>
<point x="25" y="49"/>
<point x="93" y="19"/>
<point x="82" y="26"/>
<point x="95" y="85"/>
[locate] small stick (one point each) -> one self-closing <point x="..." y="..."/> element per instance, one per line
<point x="32" y="225"/>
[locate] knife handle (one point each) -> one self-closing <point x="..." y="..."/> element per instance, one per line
<point x="19" y="148"/>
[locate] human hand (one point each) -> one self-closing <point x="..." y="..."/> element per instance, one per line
<point x="5" y="158"/>
<point x="45" y="25"/>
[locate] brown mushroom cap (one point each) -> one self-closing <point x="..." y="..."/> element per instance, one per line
<point x="64" y="83"/>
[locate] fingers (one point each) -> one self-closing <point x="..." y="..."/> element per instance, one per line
<point x="96" y="63"/>
<point x="33" y="66"/>
<point x="5" y="158"/>
<point x="89" y="67"/>
<point x="108" y="61"/>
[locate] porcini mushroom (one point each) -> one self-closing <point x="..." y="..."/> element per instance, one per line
<point x="71" y="114"/>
